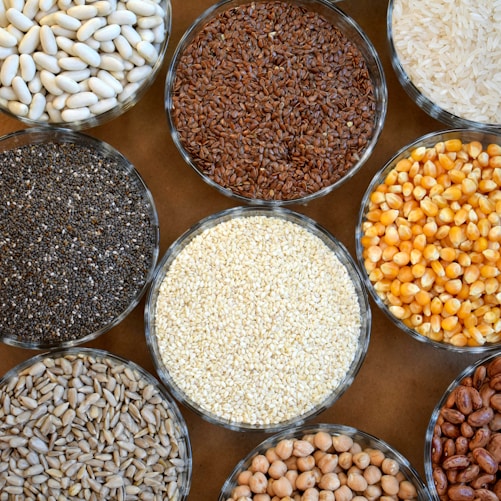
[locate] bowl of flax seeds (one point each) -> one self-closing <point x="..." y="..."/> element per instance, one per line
<point x="275" y="102"/>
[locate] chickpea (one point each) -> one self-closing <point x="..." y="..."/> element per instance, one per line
<point x="356" y="482"/>
<point x="305" y="463"/>
<point x="362" y="460"/>
<point x="305" y="480"/>
<point x="390" y="485"/>
<point x="282" y="487"/>
<point x="262" y="497"/>
<point x="284" y="448"/>
<point x="241" y="491"/>
<point x="377" y="456"/>
<point x="302" y="448"/>
<point x="327" y="463"/>
<point x="355" y="448"/>
<point x="258" y="483"/>
<point x="326" y="496"/>
<point x="277" y="469"/>
<point x="291" y="476"/>
<point x="373" y="492"/>
<point x="260" y="463"/>
<point x="271" y="455"/>
<point x="372" y="474"/>
<point x="291" y="463"/>
<point x="243" y="477"/>
<point x="345" y="460"/>
<point x="310" y="494"/>
<point x="323" y="440"/>
<point x="407" y="490"/>
<point x="344" y="493"/>
<point x="342" y="443"/>
<point x="359" y="498"/>
<point x="329" y="481"/>
<point x="390" y="466"/>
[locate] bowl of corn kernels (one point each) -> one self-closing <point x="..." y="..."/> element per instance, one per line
<point x="324" y="462"/>
<point x="428" y="239"/>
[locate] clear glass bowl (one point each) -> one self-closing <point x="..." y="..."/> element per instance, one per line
<point x="365" y="440"/>
<point x="226" y="334"/>
<point x="434" y="456"/>
<point x="72" y="426"/>
<point x="42" y="102"/>
<point x="435" y="104"/>
<point x="426" y="141"/>
<point x="55" y="258"/>
<point x="349" y="28"/>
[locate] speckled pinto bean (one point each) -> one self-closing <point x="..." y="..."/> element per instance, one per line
<point x="375" y="476"/>
<point x="466" y="444"/>
<point x="272" y="101"/>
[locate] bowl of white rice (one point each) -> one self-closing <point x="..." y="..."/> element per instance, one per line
<point x="257" y="319"/>
<point x="447" y="57"/>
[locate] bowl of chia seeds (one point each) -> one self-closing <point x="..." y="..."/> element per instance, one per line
<point x="275" y="102"/>
<point x="324" y="461"/>
<point x="79" y="238"/>
<point x="90" y="425"/>
<point x="83" y="63"/>
<point x="257" y="319"/>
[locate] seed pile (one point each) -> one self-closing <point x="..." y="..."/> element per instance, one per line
<point x="431" y="241"/>
<point x="257" y="320"/>
<point x="77" y="241"/>
<point x="272" y="101"/>
<point x="320" y="466"/>
<point x="84" y="426"/>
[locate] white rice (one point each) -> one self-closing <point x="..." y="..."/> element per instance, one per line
<point x="451" y="51"/>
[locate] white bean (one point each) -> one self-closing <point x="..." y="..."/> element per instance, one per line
<point x="37" y="106"/>
<point x="110" y="80"/>
<point x="59" y="102"/>
<point x="48" y="40"/>
<point x="30" y="41"/>
<point x="122" y="17"/>
<point x="87" y="54"/>
<point x="48" y="80"/>
<point x="82" y="11"/>
<point x="123" y="46"/>
<point x="18" y="19"/>
<point x="9" y="69"/>
<point x="72" y="63"/>
<point x="131" y="35"/>
<point x="18" y="108"/>
<point x="35" y="84"/>
<point x="67" y="84"/>
<point x="7" y="93"/>
<point x="75" y="114"/>
<point x="46" y="62"/>
<point x="147" y="35"/>
<point x="59" y="31"/>
<point x="66" y="21"/>
<point x="77" y="75"/>
<point x="90" y="27"/>
<point x="7" y="39"/>
<point x="21" y="89"/>
<point x="100" y="88"/>
<point x="128" y="91"/>
<point x="28" y="67"/>
<point x="109" y="32"/>
<point x="139" y="73"/>
<point x="149" y="22"/>
<point x="141" y="7"/>
<point x="30" y="8"/>
<point x="111" y="62"/>
<point x="46" y="5"/>
<point x="65" y="44"/>
<point x="107" y="46"/>
<point x="81" y="100"/>
<point x="103" y="105"/>
<point x="148" y="51"/>
<point x="103" y="7"/>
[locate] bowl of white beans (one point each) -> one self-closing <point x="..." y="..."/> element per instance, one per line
<point x="428" y="239"/>
<point x="323" y="462"/>
<point x="82" y="423"/>
<point x="257" y="319"/>
<point x="76" y="64"/>
<point x="448" y="60"/>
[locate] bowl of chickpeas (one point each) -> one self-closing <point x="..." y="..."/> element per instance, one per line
<point x="428" y="239"/>
<point x="323" y="462"/>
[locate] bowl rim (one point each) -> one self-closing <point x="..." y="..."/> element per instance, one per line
<point x="466" y="371"/>
<point x="369" y="54"/>
<point x="184" y="437"/>
<point x="428" y="139"/>
<point x="41" y="135"/>
<point x="334" y="429"/>
<point x="121" y="107"/>
<point x="422" y="100"/>
<point x="248" y="211"/>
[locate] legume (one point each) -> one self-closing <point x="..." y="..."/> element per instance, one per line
<point x="466" y="440"/>
<point x="85" y="425"/>
<point x="67" y="61"/>
<point x="431" y="242"/>
<point x="257" y="320"/>
<point x="272" y="101"/>
<point x="327" y="479"/>
<point x="78" y="241"/>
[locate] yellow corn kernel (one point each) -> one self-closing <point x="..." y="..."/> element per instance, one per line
<point x="457" y="235"/>
<point x="376" y="275"/>
<point x="493" y="149"/>
<point x="393" y="300"/>
<point x="495" y="162"/>
<point x="389" y="252"/>
<point x="492" y="316"/>
<point x="369" y="266"/>
<point x="428" y="279"/>
<point x="481" y="244"/>
<point x="435" y="323"/>
<point x="395" y="287"/>
<point x="489" y="271"/>
<point x="459" y="340"/>
<point x="382" y="286"/>
<point x="377" y="197"/>
<point x="405" y="274"/>
<point x="487" y="185"/>
<point x="468" y="186"/>
<point x="418" y="153"/>
<point x="391" y="236"/>
<point x="430" y="229"/>
<point x="448" y="254"/>
<point x="449" y="323"/>
<point x="391" y="177"/>
<point x="373" y="215"/>
<point x="419" y="192"/>
<point x="418" y="270"/>
<point x="463" y="258"/>
<point x="445" y="161"/>
<point x="453" y="286"/>
<point x="492" y="285"/>
<point x="409" y="289"/>
<point x="476" y="258"/>
<point x="436" y="306"/>
<point x="443" y="232"/>
<point x="464" y="310"/>
<point x="453" y="145"/>
<point x="405" y="232"/>
<point x="436" y="191"/>
<point x="460" y="217"/>
<point x="482" y="310"/>
<point x="428" y="182"/>
<point x="445" y="215"/>
<point x="373" y="253"/>
<point x="390" y="269"/>
<point x="416" y="320"/>
<point x="486" y="205"/>
<point x="453" y="270"/>
<point x="457" y="176"/>
<point x="452" y="306"/>
<point x="483" y="159"/>
<point x="401" y="258"/>
<point x="495" y="337"/>
<point x="431" y="252"/>
<point x="470" y="321"/>
<point x="422" y="297"/>
<point x="397" y="311"/>
<point x="491" y="255"/>
<point x="472" y="231"/>
<point x="474" y="148"/>
<point x="388" y="217"/>
<point x="368" y="241"/>
<point x="428" y="207"/>
<point x="416" y="256"/>
<point x="393" y="200"/>
<point x="379" y="228"/>
<point x="476" y="335"/>
<point x="453" y="193"/>
<point x="485" y="329"/>
<point x="464" y="293"/>
<point x="477" y="288"/>
<point x="438" y="268"/>
<point x="403" y="165"/>
<point x="420" y="242"/>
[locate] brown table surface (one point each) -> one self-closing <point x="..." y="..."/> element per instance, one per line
<point x="400" y="380"/>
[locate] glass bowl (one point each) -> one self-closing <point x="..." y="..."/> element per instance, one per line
<point x="328" y="441"/>
<point x="448" y="68"/>
<point x="88" y="423"/>
<point x="476" y="434"/>
<point x="257" y="319"/>
<point x="427" y="239"/>
<point x="255" y="138"/>
<point x="79" y="66"/>
<point x="80" y="238"/>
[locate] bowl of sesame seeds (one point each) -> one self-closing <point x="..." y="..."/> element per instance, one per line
<point x="324" y="461"/>
<point x="257" y="318"/>
<point x="81" y="423"/>
<point x="80" y="64"/>
<point x="275" y="102"/>
<point x="79" y="238"/>
<point x="428" y="239"/>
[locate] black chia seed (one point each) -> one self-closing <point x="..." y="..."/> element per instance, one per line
<point x="77" y="242"/>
